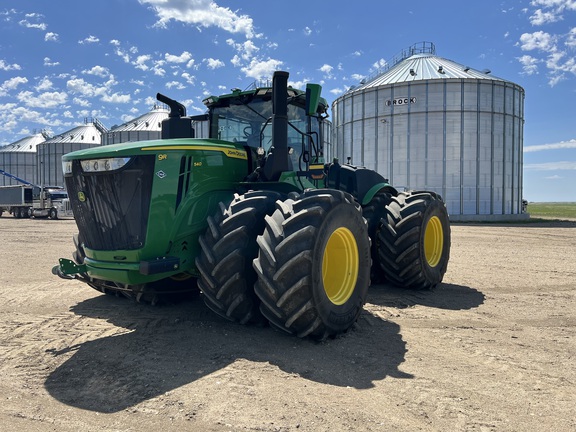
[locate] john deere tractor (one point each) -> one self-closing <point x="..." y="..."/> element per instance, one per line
<point x="252" y="216"/>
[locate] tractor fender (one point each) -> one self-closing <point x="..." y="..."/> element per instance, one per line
<point x="361" y="182"/>
<point x="384" y="187"/>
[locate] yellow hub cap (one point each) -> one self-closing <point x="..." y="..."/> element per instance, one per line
<point x="433" y="241"/>
<point x="340" y="266"/>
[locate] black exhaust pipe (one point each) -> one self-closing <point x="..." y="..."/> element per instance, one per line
<point x="278" y="160"/>
<point x="177" y="125"/>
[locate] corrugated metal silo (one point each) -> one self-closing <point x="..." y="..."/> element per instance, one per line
<point x="50" y="152"/>
<point x="19" y="159"/>
<point x="430" y="123"/>
<point x="145" y="127"/>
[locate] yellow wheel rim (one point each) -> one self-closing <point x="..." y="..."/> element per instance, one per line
<point x="340" y="265"/>
<point x="433" y="241"/>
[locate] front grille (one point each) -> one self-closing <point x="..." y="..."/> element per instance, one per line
<point x="111" y="208"/>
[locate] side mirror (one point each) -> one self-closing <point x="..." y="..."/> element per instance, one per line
<point x="312" y="98"/>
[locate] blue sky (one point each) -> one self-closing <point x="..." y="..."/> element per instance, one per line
<point x="64" y="60"/>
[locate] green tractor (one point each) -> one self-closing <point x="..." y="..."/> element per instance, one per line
<point x="252" y="216"/>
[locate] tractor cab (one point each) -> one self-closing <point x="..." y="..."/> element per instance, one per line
<point x="250" y="117"/>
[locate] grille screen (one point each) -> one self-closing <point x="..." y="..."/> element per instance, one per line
<point x="113" y="213"/>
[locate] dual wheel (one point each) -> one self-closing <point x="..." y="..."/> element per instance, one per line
<point x="410" y="235"/>
<point x="302" y="264"/>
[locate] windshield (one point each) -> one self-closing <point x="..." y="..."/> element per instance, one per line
<point x="249" y="124"/>
<point x="57" y="194"/>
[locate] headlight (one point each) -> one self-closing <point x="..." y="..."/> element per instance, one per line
<point x="67" y="167"/>
<point x="102" y="165"/>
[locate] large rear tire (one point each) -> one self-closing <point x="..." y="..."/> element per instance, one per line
<point x="314" y="264"/>
<point x="414" y="240"/>
<point x="228" y="248"/>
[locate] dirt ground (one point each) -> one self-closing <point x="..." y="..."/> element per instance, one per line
<point x="491" y="349"/>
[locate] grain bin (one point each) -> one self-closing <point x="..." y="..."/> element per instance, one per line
<point x="50" y="152"/>
<point x="145" y="127"/>
<point x="19" y="159"/>
<point x="431" y="123"/>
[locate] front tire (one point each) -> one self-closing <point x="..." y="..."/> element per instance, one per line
<point x="314" y="264"/>
<point x="414" y="240"/>
<point x="228" y="248"/>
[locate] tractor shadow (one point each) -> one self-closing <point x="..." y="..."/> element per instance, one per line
<point x="444" y="296"/>
<point x="164" y="348"/>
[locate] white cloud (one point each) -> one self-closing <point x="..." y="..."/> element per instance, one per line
<point x="538" y="40"/>
<point x="539" y="17"/>
<point x="7" y="67"/>
<point x="158" y="70"/>
<point x="49" y="62"/>
<point x="337" y="91"/>
<point x="12" y="84"/>
<point x="202" y="13"/>
<point x="555" y="146"/>
<point x="529" y="64"/>
<point x="43" y="100"/>
<point x="89" y="40"/>
<point x="182" y="58"/>
<point x="115" y="42"/>
<point x="99" y="71"/>
<point x="81" y="102"/>
<point x="380" y="64"/>
<point x="81" y="87"/>
<point x="190" y="79"/>
<point x="44" y="84"/>
<point x="51" y="37"/>
<point x="551" y="166"/>
<point x="116" y="98"/>
<point x="175" y="84"/>
<point x="214" y="63"/>
<point x="140" y="62"/>
<point x="236" y="61"/>
<point x="326" y="69"/>
<point x="39" y="26"/>
<point x="260" y="69"/>
<point x="307" y="31"/>
<point x="299" y="84"/>
<point x="557" y="48"/>
<point x="571" y="38"/>
<point x="246" y="50"/>
<point x="150" y="101"/>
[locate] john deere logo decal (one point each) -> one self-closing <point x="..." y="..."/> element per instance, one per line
<point x="81" y="196"/>
<point x="161" y="174"/>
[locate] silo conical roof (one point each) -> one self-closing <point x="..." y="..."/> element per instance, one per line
<point x="25" y="145"/>
<point x="88" y="133"/>
<point x="422" y="67"/>
<point x="151" y="121"/>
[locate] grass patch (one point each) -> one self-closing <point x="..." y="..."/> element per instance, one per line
<point x="552" y="210"/>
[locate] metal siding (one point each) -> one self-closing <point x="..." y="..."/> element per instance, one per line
<point x="462" y="137"/>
